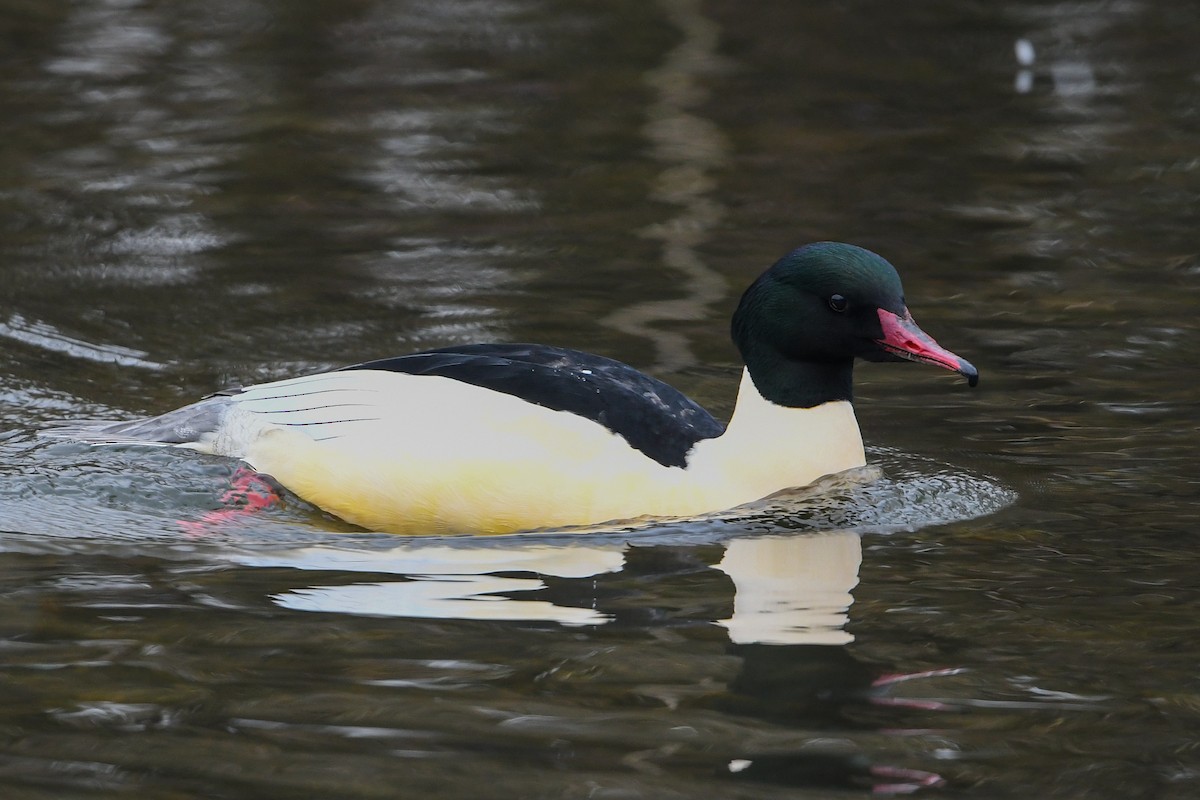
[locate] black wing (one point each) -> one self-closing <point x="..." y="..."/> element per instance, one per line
<point x="653" y="417"/>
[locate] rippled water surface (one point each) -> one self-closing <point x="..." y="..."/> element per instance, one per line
<point x="1002" y="606"/>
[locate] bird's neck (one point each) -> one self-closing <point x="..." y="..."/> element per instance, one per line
<point x="768" y="447"/>
<point x="800" y="384"/>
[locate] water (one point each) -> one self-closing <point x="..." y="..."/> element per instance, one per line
<point x="1002" y="606"/>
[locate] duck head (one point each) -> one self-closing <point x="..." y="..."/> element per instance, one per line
<point x="800" y="326"/>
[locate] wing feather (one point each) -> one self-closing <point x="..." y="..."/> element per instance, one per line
<point x="650" y="415"/>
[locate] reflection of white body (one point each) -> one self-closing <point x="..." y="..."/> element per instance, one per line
<point x="789" y="590"/>
<point x="448" y="582"/>
<point x="792" y="590"/>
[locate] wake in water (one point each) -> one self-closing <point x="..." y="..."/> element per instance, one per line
<point x="895" y="492"/>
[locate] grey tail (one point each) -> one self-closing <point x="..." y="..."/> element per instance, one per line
<point x="190" y="425"/>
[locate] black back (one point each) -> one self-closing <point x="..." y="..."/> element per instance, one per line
<point x="653" y="417"/>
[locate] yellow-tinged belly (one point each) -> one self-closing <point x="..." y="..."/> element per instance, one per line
<point x="403" y="491"/>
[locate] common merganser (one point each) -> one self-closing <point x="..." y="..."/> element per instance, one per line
<point x="498" y="438"/>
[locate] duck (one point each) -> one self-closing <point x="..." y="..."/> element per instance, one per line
<point x="505" y="438"/>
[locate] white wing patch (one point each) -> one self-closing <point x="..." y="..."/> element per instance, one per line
<point x="322" y="407"/>
<point x="324" y="403"/>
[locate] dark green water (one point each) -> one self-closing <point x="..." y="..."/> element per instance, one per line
<point x="197" y="194"/>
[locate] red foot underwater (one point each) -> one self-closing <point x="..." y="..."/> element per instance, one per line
<point x="248" y="493"/>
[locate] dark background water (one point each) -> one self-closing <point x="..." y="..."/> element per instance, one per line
<point x="195" y="194"/>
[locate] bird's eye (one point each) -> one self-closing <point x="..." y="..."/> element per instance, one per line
<point x="838" y="303"/>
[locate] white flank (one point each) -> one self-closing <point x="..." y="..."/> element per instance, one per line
<point x="426" y="454"/>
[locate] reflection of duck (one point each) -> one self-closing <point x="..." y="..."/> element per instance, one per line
<point x="495" y="438"/>
<point x="787" y="589"/>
